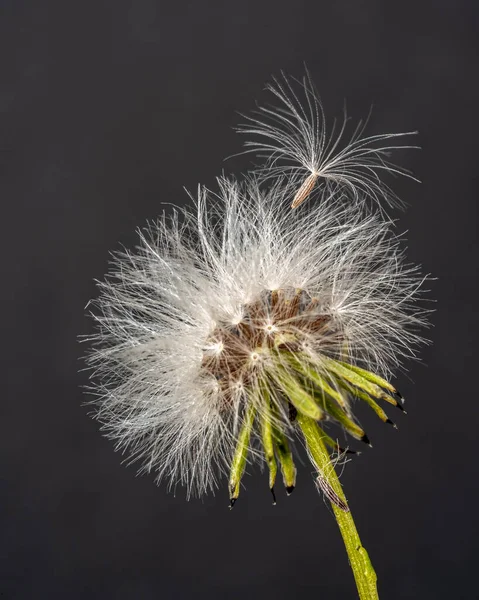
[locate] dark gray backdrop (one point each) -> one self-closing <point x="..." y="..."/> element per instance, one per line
<point x="108" y="109"/>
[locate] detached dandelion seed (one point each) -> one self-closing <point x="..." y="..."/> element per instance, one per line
<point x="293" y="138"/>
<point x="241" y="324"/>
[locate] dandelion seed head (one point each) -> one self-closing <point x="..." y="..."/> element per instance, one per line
<point x="202" y="314"/>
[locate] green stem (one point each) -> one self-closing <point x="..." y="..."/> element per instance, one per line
<point x="363" y="570"/>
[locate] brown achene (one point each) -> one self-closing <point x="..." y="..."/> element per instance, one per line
<point x="286" y="318"/>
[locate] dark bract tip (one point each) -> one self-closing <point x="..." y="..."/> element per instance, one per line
<point x="365" y="439"/>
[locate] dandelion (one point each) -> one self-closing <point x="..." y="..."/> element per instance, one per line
<point x="240" y="325"/>
<point x="293" y="138"/>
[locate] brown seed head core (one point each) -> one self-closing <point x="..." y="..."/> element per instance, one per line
<point x="286" y="318"/>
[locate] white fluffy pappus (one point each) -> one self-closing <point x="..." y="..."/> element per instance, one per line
<point x="196" y="316"/>
<point x="292" y="137"/>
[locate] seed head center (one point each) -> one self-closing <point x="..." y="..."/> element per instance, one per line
<point x="284" y="318"/>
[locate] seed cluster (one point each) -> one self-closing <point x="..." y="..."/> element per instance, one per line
<point x="287" y="352"/>
<point x="287" y="318"/>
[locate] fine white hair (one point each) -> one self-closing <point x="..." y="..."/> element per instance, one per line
<point x="292" y="137"/>
<point x="196" y="270"/>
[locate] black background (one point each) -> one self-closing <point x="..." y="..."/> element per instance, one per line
<point x="108" y="109"/>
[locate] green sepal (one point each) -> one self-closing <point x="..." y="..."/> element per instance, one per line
<point x="369" y="401"/>
<point x="319" y="381"/>
<point x="296" y="394"/>
<point x="342" y="370"/>
<point x="380" y="381"/>
<point x="238" y="464"/>
<point x="285" y="457"/>
<point x="267" y="437"/>
<point x="333" y="444"/>
<point x="337" y="413"/>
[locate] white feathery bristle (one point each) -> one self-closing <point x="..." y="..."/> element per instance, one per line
<point x="165" y="310"/>
<point x="292" y="138"/>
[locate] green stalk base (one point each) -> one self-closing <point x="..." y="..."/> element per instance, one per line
<point x="363" y="570"/>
